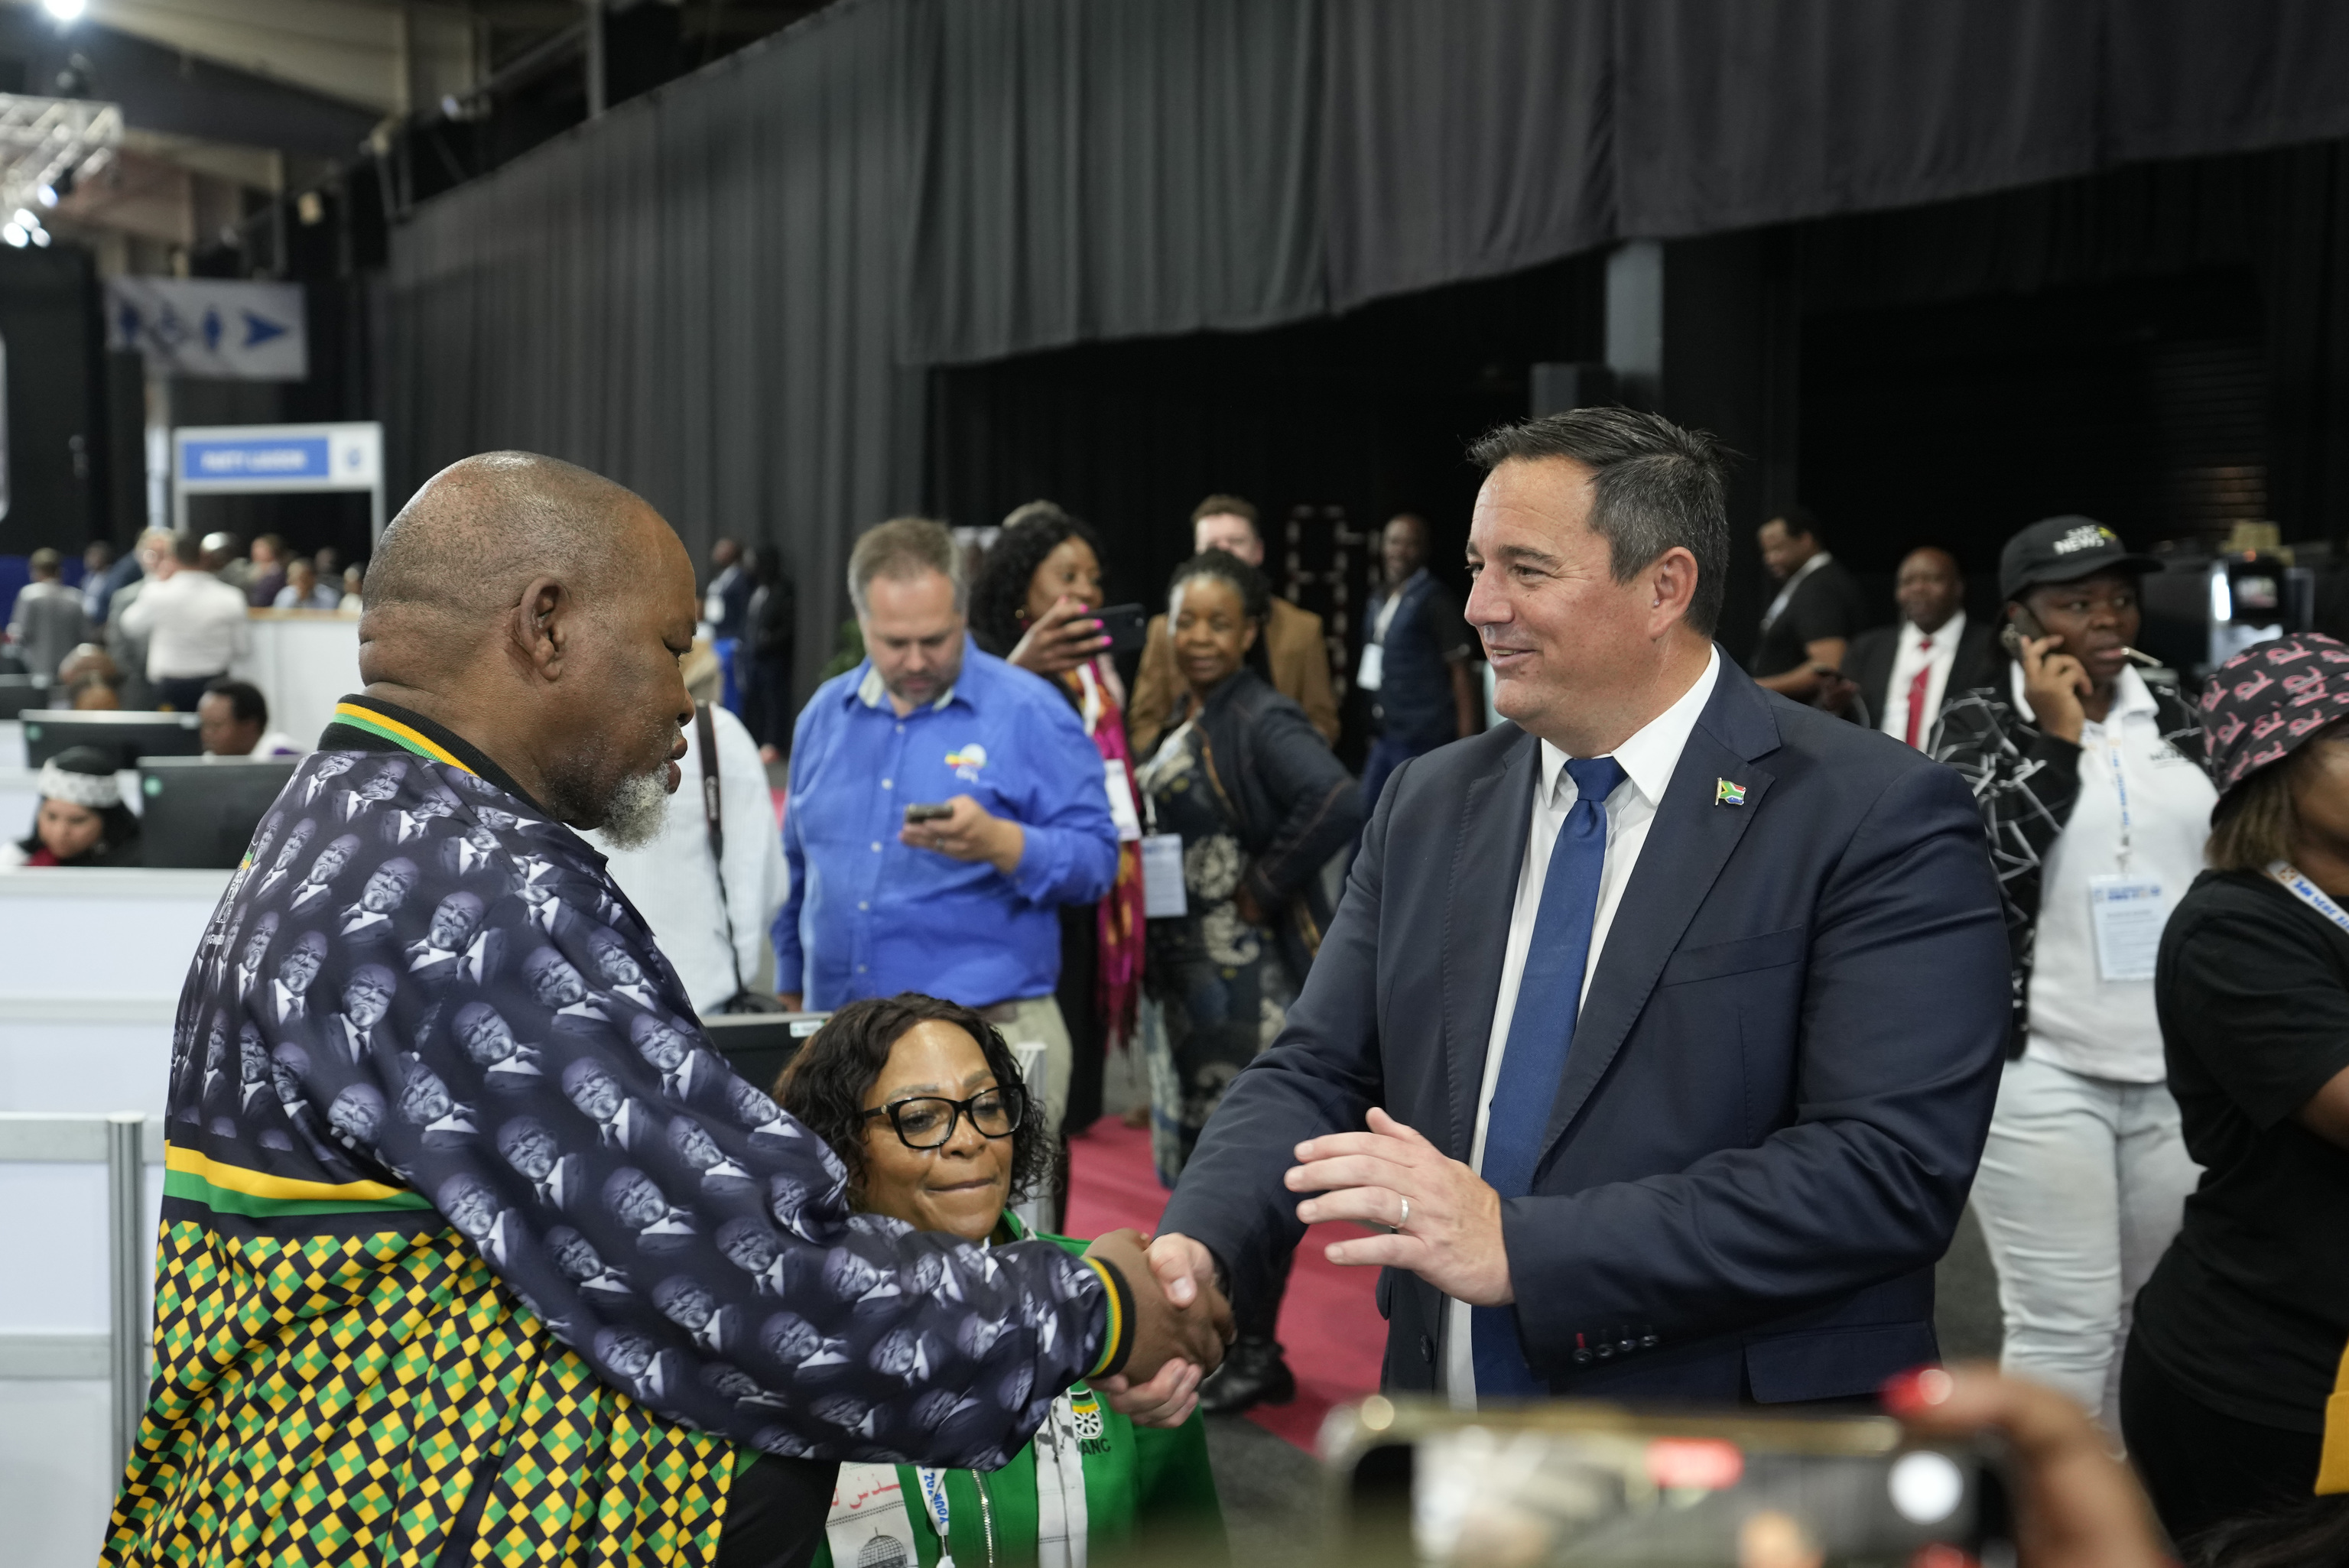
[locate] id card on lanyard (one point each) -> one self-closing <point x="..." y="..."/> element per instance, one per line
<point x="2127" y="913"/>
<point x="1163" y="894"/>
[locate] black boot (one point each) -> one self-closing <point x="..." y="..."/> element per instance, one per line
<point x="1253" y="1373"/>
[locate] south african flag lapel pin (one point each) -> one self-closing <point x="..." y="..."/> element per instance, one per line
<point x="1725" y="793"/>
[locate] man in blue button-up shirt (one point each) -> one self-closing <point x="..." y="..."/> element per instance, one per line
<point x="963" y="906"/>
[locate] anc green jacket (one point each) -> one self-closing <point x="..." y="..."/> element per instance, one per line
<point x="1145" y="1486"/>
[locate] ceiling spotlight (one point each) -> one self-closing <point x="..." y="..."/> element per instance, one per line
<point x="41" y="238"/>
<point x="25" y="221"/>
<point x="63" y="10"/>
<point x="48" y="193"/>
<point x="14" y="234"/>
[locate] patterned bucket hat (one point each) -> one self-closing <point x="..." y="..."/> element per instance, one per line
<point x="2263" y="703"/>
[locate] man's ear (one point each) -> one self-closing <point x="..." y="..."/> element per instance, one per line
<point x="1672" y="578"/>
<point x="540" y="628"/>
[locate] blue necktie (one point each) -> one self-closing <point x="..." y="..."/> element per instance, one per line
<point x="1541" y="1031"/>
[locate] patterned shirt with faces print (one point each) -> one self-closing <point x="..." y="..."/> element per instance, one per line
<point x="458" y="1196"/>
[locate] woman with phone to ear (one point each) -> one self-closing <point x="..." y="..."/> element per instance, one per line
<point x="2092" y="792"/>
<point x="1035" y="604"/>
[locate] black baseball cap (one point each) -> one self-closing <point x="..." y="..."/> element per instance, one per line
<point x="2064" y="549"/>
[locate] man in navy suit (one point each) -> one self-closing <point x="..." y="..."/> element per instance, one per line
<point x="1660" y="1029"/>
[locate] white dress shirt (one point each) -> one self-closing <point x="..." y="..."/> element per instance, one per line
<point x="1647" y="759"/>
<point x="673" y="882"/>
<point x="1913" y="657"/>
<point x="194" y="623"/>
<point x="2081" y="1021"/>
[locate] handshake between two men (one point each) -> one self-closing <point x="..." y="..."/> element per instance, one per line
<point x="1439" y="1220"/>
<point x="1181" y="1325"/>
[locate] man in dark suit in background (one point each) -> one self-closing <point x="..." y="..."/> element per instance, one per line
<point x="1818" y="609"/>
<point x="1628" y="995"/>
<point x="1904" y="674"/>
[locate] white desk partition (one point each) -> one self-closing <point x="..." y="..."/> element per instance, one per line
<point x="12" y="743"/>
<point x="305" y="662"/>
<point x="80" y="1202"/>
<point x="20" y="798"/>
<point x="91" y="963"/>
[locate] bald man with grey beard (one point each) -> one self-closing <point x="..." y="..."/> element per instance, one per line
<point x="520" y="647"/>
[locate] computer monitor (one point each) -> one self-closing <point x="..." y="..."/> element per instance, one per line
<point x="129" y="736"/>
<point x="759" y="1045"/>
<point x="18" y="693"/>
<point x="202" y="811"/>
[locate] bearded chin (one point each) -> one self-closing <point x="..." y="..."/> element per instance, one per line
<point x="639" y="811"/>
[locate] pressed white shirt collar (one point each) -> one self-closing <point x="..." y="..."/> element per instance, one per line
<point x="1950" y="632"/>
<point x="2130" y="694"/>
<point x="1649" y="757"/>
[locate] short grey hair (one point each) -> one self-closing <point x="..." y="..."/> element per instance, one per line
<point x="905" y="548"/>
<point x="1654" y="487"/>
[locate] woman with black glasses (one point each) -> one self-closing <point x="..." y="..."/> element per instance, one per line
<point x="921" y="1102"/>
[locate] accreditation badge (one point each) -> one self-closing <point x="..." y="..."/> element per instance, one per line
<point x="2126" y="914"/>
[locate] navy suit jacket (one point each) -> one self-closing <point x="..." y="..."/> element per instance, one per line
<point x="1779" y="1084"/>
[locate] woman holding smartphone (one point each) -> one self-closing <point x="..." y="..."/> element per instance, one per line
<point x="2094" y="798"/>
<point x="1035" y="604"/>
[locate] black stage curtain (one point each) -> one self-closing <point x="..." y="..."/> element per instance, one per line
<point x="1466" y="138"/>
<point x="716" y="293"/>
<point x="1463" y="139"/>
<point x="1079" y="172"/>
<point x="2281" y="217"/>
<point x="694" y="295"/>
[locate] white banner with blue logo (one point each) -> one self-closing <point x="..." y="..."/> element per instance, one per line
<point x="211" y="327"/>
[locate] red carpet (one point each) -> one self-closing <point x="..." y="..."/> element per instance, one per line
<point x="1329" y="1324"/>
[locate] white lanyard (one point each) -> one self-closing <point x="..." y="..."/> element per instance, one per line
<point x="1787" y="594"/>
<point x="2308" y="893"/>
<point x="1093" y="703"/>
<point x="933" y="1483"/>
<point x="2120" y="787"/>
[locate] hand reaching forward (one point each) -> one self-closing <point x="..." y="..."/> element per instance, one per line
<point x="2080" y="1508"/>
<point x="1445" y="1221"/>
<point x="1175" y="1341"/>
<point x="1186" y="1272"/>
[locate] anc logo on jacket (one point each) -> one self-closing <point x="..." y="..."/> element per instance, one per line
<point x="1084" y="1408"/>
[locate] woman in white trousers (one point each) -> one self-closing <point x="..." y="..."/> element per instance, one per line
<point x="2097" y="809"/>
